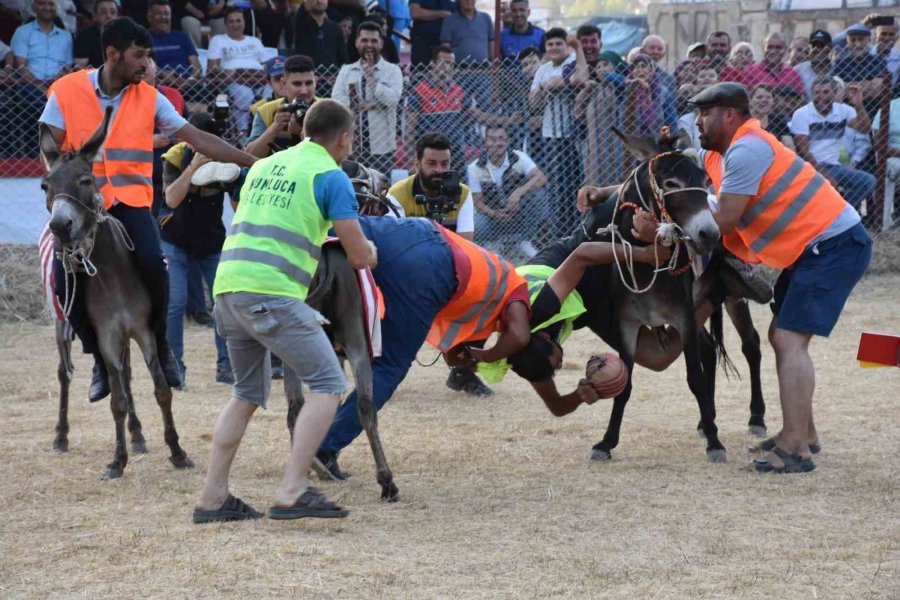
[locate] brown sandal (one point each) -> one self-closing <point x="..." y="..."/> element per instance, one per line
<point x="311" y="503"/>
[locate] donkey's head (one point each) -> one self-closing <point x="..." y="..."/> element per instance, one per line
<point x="370" y="186"/>
<point x="669" y="182"/>
<point x="73" y="199"/>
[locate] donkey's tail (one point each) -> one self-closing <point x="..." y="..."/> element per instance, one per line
<point x="717" y="330"/>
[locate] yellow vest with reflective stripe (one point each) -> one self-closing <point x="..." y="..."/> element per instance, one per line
<point x="277" y="232"/>
<point x="572" y="307"/>
<point x="403" y="192"/>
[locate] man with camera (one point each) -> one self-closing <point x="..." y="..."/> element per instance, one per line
<point x="435" y="190"/>
<point x="279" y="124"/>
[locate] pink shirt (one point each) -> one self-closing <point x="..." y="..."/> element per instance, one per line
<point x="786" y="76"/>
<point x="731" y="73"/>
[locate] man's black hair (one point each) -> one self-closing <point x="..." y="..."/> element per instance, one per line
<point x="435" y="141"/>
<point x="528" y="51"/>
<point x="556" y="32"/>
<point x="299" y="63"/>
<point x="532" y="363"/>
<point x="585" y="30"/>
<point x="121" y="32"/>
<point x="369" y="26"/>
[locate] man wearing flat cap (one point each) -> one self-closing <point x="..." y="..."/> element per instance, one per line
<point x="776" y="209"/>
<point x="861" y="67"/>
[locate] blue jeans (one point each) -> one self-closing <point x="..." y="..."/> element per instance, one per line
<point x="196" y="302"/>
<point x="855" y="185"/>
<point x="179" y="265"/>
<point x="405" y="246"/>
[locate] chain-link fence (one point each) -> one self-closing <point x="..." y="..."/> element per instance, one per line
<point x="525" y="134"/>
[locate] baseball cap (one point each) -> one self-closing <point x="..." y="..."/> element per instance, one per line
<point x="820" y="37"/>
<point x="275" y="66"/>
<point x="695" y="46"/>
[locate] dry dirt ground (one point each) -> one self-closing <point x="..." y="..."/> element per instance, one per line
<point x="498" y="498"/>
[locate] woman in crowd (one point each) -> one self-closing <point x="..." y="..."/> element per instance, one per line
<point x="648" y="104"/>
<point x="740" y="58"/>
<point x="762" y="103"/>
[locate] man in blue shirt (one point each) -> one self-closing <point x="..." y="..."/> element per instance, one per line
<point x="174" y="51"/>
<point x="860" y="67"/>
<point x="470" y="33"/>
<point x="426" y="30"/>
<point x="41" y="52"/>
<point x="520" y="34"/>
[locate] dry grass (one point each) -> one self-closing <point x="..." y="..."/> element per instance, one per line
<point x="20" y="285"/>
<point x="498" y="499"/>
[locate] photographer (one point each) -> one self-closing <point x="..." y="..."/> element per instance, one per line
<point x="276" y="125"/>
<point x="434" y="191"/>
<point x="192" y="231"/>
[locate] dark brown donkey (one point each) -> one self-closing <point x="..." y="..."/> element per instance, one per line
<point x="334" y="292"/>
<point x="118" y="304"/>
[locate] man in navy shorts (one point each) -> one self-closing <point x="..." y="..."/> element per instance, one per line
<point x="776" y="209"/>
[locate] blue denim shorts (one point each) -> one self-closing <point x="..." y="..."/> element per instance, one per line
<point x="811" y="293"/>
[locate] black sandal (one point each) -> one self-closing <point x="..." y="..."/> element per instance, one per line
<point x="234" y="509"/>
<point x="311" y="503"/>
<point x="793" y="463"/>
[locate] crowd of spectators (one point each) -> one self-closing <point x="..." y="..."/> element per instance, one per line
<point x="548" y="99"/>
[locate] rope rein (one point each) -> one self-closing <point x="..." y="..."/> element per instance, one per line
<point x="76" y="259"/>
<point x="668" y="233"/>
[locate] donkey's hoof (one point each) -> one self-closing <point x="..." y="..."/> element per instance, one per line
<point x="112" y="473"/>
<point x="61" y="445"/>
<point x="139" y="447"/>
<point x="700" y="433"/>
<point x="182" y="462"/>
<point x="599" y="454"/>
<point x="757" y="431"/>
<point x="717" y="455"/>
<point x="390" y="493"/>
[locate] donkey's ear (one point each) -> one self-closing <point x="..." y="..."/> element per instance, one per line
<point x="49" y="149"/>
<point x="682" y="140"/>
<point x="95" y="142"/>
<point x="640" y="148"/>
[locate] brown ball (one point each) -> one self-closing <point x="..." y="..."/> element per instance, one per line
<point x="607" y="374"/>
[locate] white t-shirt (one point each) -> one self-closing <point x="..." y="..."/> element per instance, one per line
<point x="497" y="172"/>
<point x="826" y="132"/>
<point x="465" y="219"/>
<point x="247" y="53"/>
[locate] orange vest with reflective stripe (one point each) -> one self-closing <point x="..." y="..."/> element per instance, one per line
<point x="124" y="168"/>
<point x="474" y="311"/>
<point x="794" y="204"/>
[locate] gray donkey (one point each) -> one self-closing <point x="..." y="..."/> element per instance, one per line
<point x="118" y="303"/>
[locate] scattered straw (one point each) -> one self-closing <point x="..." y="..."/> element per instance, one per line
<point x="20" y="285"/>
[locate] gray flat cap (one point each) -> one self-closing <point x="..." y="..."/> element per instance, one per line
<point x="727" y="94"/>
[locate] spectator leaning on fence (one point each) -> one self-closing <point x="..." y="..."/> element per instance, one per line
<point x="798" y="51"/>
<point x="590" y="38"/>
<point x="88" y="49"/>
<point x="192" y="231"/>
<point x="506" y="187"/>
<point x="649" y="104"/>
<point x="241" y="58"/>
<point x="819" y="62"/>
<point x="520" y="34"/>
<point x="718" y="47"/>
<point x="552" y="92"/>
<point x="275" y="126"/>
<point x="771" y="70"/>
<point x="739" y="59"/>
<point x="426" y="28"/>
<point x="762" y="103"/>
<point x="859" y="66"/>
<point x="371" y="87"/>
<point x="317" y="36"/>
<point x="819" y="128"/>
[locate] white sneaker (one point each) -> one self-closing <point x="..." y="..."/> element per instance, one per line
<point x="215" y="172"/>
<point x="527" y="248"/>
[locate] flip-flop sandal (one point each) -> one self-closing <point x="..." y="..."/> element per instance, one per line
<point x="234" y="509"/>
<point x="793" y="463"/>
<point x="311" y="503"/>
<point x="769" y="445"/>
